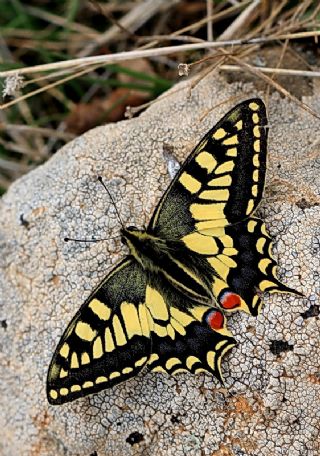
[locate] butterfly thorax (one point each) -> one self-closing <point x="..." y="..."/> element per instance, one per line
<point x="160" y="256"/>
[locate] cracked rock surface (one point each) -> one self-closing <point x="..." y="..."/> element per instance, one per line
<point x="270" y="404"/>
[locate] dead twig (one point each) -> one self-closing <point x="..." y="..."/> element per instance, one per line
<point x="144" y="53"/>
<point x="278" y="71"/>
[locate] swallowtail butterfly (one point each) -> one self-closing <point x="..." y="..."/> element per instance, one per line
<point x="203" y="255"/>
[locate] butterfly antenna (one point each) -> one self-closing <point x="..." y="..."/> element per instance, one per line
<point x="112" y="200"/>
<point x="67" y="239"/>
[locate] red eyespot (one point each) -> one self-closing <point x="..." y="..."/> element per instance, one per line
<point x="215" y="319"/>
<point x="230" y="300"/>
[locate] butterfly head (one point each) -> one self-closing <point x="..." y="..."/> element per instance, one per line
<point x="129" y="234"/>
<point x="132" y="237"/>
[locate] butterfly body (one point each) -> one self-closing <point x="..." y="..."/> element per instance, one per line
<point x="171" y="260"/>
<point x="203" y="254"/>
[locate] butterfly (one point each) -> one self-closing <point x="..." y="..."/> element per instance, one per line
<point x="204" y="254"/>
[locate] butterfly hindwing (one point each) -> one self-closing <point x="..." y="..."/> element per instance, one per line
<point x="107" y="341"/>
<point x="256" y="270"/>
<point x="222" y="180"/>
<point x="186" y="336"/>
<point x="242" y="264"/>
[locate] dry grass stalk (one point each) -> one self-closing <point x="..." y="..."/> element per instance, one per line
<point x="168" y="50"/>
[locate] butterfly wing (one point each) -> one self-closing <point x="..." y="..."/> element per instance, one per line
<point x="241" y="264"/>
<point x="107" y="341"/>
<point x="222" y="180"/>
<point x="130" y="321"/>
<point x="186" y="336"/>
<point x="209" y="207"/>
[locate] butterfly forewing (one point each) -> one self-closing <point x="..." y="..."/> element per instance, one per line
<point x="108" y="340"/>
<point x="222" y="180"/>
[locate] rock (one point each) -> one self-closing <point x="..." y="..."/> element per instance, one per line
<point x="270" y="405"/>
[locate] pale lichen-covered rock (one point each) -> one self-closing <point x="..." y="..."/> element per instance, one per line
<point x="270" y="405"/>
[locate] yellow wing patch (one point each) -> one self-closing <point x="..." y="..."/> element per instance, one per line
<point x="190" y="183"/>
<point x="206" y="161"/>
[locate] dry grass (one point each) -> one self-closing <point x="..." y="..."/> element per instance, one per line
<point x="54" y="62"/>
